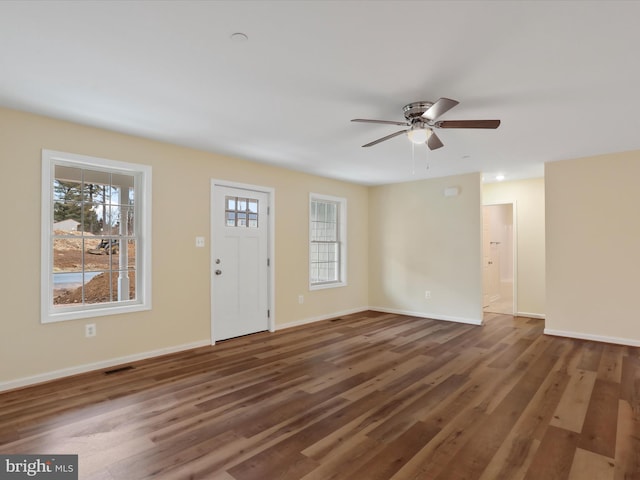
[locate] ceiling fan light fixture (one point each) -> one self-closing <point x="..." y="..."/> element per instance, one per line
<point x="419" y="134"/>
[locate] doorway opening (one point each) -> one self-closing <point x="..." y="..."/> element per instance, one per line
<point x="498" y="281"/>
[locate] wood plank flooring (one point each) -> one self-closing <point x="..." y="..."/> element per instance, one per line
<point x="367" y="396"/>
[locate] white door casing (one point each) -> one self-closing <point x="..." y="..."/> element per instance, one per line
<point x="240" y="264"/>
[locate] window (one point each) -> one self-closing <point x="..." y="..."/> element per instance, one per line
<point x="327" y="241"/>
<point x="241" y="212"/>
<point x="96" y="243"/>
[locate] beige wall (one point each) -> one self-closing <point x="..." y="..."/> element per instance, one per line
<point x="593" y="247"/>
<point x="421" y="240"/>
<point x="181" y="298"/>
<point x="529" y="212"/>
<point x="402" y="240"/>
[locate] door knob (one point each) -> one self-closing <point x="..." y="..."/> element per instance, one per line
<point x="218" y="272"/>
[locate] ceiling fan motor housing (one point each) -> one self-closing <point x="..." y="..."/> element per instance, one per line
<point x="414" y="110"/>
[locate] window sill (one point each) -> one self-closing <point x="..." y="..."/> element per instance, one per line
<point x="61" y="316"/>
<point x="322" y="286"/>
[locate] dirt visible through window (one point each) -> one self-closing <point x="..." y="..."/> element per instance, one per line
<point x="68" y="258"/>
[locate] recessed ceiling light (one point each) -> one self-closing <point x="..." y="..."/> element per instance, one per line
<point x="239" y="37"/>
<point x="499" y="177"/>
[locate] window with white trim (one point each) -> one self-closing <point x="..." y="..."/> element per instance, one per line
<point x="96" y="237"/>
<point x="327" y="241"/>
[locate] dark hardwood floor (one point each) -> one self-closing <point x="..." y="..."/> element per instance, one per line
<point x="368" y="396"/>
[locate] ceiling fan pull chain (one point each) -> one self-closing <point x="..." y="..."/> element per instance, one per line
<point x="413" y="158"/>
<point x="426" y="157"/>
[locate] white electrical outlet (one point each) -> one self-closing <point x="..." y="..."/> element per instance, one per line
<point x="300" y="299"/>
<point x="90" y="330"/>
<point x="199" y="242"/>
<point x="427" y="294"/>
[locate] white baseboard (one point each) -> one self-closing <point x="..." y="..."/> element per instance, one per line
<point x="531" y="315"/>
<point x="433" y="316"/>
<point x="66" y="372"/>
<point x="596" y="338"/>
<point x="305" y="321"/>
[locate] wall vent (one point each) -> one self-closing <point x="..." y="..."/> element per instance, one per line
<point x="119" y="369"/>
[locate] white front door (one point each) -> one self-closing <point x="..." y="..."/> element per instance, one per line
<point x="239" y="270"/>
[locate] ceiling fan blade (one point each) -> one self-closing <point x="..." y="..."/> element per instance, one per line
<point x="386" y="122"/>
<point x="375" y="142"/>
<point x="468" y="124"/>
<point x="434" y="142"/>
<point x="439" y="108"/>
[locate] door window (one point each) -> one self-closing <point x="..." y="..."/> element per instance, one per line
<point x="241" y="212"/>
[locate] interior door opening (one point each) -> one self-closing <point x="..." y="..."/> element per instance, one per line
<point x="498" y="281"/>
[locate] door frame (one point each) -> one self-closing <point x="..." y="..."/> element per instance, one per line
<point x="514" y="241"/>
<point x="271" y="194"/>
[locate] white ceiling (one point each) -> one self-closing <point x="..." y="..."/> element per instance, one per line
<point x="563" y="77"/>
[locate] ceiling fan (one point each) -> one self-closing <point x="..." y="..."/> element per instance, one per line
<point x="422" y="119"/>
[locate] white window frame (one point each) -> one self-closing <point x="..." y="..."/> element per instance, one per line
<point x="48" y="312"/>
<point x="342" y="240"/>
